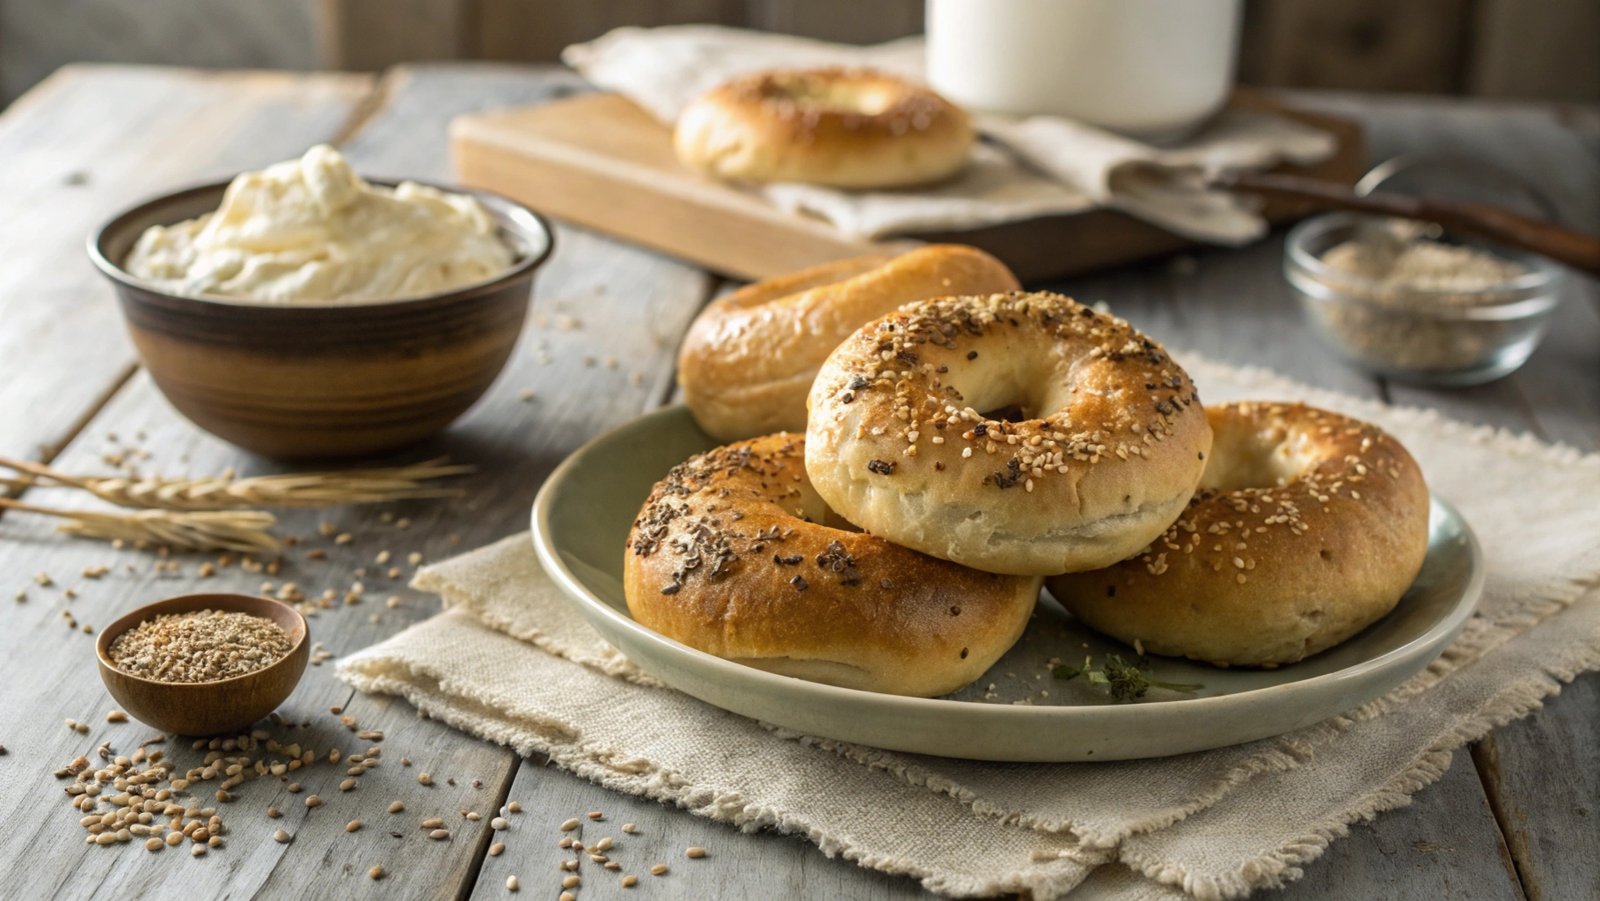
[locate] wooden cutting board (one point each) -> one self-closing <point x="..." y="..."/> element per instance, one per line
<point x="599" y="161"/>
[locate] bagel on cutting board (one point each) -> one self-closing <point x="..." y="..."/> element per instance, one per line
<point x="844" y="128"/>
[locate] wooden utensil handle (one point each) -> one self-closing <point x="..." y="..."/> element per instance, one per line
<point x="1574" y="248"/>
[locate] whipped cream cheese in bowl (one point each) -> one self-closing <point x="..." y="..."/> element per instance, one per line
<point x="313" y="231"/>
<point x="301" y="311"/>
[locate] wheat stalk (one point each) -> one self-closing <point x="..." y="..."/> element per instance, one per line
<point x="227" y="492"/>
<point x="204" y="530"/>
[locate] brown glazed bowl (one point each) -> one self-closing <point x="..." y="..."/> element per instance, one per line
<point x="324" y="380"/>
<point x="207" y="708"/>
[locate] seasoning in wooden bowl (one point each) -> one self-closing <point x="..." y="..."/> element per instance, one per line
<point x="200" y="646"/>
<point x="204" y="664"/>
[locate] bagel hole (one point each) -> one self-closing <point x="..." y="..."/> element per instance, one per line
<point x="1243" y="457"/>
<point x="1008" y="413"/>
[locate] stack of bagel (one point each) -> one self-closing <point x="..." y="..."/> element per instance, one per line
<point x="915" y="446"/>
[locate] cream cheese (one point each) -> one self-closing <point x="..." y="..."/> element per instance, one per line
<point x="312" y="231"/>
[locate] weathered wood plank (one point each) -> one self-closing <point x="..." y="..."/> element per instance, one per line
<point x="37" y="38"/>
<point x="590" y="297"/>
<point x="738" y="865"/>
<point x="537" y="30"/>
<point x="1443" y="845"/>
<point x="1363" y="45"/>
<point x="359" y="35"/>
<point x="1566" y="65"/>
<point x="1543" y="774"/>
<point x="82" y="145"/>
<point x="863" y="23"/>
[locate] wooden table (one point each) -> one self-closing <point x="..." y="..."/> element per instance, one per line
<point x="1517" y="817"/>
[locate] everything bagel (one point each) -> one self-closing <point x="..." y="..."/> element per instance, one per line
<point x="749" y="359"/>
<point x="730" y="555"/>
<point x="1309" y="526"/>
<point x="1106" y="447"/>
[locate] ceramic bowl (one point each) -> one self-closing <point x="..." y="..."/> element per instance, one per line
<point x="580" y="527"/>
<point x="328" y="380"/>
<point x="207" y="708"/>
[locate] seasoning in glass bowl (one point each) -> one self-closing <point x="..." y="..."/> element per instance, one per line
<point x="1395" y="298"/>
<point x="200" y="646"/>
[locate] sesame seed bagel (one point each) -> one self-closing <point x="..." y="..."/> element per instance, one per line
<point x="1309" y="526"/>
<point x="847" y="128"/>
<point x="748" y="361"/>
<point x="906" y="438"/>
<point x="730" y="555"/>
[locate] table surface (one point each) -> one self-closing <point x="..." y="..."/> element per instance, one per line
<point x="1515" y="817"/>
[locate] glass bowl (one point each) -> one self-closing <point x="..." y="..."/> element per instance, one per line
<point x="1438" y="336"/>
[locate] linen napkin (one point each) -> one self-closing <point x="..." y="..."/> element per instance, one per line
<point x="1029" y="167"/>
<point x="511" y="662"/>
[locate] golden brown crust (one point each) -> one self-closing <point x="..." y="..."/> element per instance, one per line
<point x="729" y="555"/>
<point x="848" y="128"/>
<point x="1109" y="448"/>
<point x="1309" y="527"/>
<point x="749" y="358"/>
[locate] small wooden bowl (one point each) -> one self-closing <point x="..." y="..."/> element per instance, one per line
<point x="330" y="380"/>
<point x="207" y="708"/>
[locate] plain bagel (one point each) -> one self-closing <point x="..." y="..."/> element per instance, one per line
<point x="1309" y="526"/>
<point x="1105" y="444"/>
<point x="847" y="128"/>
<point x="730" y="555"/>
<point x="749" y="359"/>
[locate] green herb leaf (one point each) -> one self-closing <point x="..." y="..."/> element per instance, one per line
<point x="1126" y="681"/>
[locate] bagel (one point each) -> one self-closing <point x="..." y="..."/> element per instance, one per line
<point x="1309" y="526"/>
<point x="749" y="358"/>
<point x="845" y="128"/>
<point x="730" y="555"/>
<point x="905" y="440"/>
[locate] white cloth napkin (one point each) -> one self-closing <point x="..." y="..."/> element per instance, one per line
<point x="511" y="662"/>
<point x="1043" y="165"/>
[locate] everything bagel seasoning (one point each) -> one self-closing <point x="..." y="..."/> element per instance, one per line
<point x="199" y="646"/>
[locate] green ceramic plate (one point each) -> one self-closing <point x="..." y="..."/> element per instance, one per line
<point x="1017" y="711"/>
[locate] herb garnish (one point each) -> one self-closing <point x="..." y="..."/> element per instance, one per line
<point x="1126" y="681"/>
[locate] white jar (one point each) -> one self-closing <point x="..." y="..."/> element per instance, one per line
<point x="1154" y="69"/>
